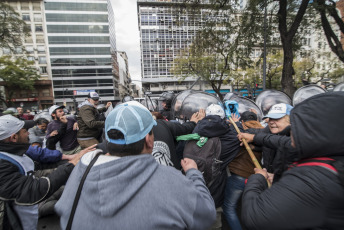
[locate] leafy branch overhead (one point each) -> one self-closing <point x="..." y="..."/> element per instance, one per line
<point x="12" y="28"/>
<point x="18" y="73"/>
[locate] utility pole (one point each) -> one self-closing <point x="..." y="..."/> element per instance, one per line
<point x="265" y="33"/>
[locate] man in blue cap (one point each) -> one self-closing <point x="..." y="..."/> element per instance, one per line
<point x="127" y="189"/>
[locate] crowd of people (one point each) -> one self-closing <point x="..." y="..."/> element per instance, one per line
<point x="127" y="170"/>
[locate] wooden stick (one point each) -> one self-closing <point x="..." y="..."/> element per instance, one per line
<point x="253" y="157"/>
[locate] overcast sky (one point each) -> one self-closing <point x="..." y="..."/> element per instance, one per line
<point x="127" y="34"/>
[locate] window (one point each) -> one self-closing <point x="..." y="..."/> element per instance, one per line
<point x="26" y="17"/>
<point x="39" y="28"/>
<point x="46" y="92"/>
<point x="25" y="6"/>
<point x="42" y="60"/>
<point x="36" y="6"/>
<point x="39" y="39"/>
<point x="30" y="58"/>
<point x="18" y="50"/>
<point x="41" y="49"/>
<point x="43" y="70"/>
<point x="28" y="40"/>
<point x="29" y="49"/>
<point x="37" y="17"/>
<point x="6" y="50"/>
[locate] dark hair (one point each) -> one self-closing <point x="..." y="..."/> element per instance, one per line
<point x="41" y="121"/>
<point x="124" y="150"/>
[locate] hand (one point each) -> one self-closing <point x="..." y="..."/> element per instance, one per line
<point x="77" y="156"/>
<point x="53" y="133"/>
<point x="253" y="111"/>
<point x="262" y="172"/>
<point x="67" y="157"/>
<point x="196" y="117"/>
<point x="108" y="104"/>
<point x="63" y="119"/>
<point x="235" y="117"/>
<point x="188" y="163"/>
<point x="76" y="126"/>
<point x="271" y="177"/>
<point x="248" y="137"/>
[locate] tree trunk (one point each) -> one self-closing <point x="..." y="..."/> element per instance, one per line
<point x="287" y="81"/>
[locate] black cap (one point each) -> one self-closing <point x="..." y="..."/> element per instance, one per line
<point x="248" y="116"/>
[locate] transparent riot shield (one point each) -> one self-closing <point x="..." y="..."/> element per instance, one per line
<point x="189" y="102"/>
<point x="305" y="92"/>
<point x="246" y="104"/>
<point x="270" y="97"/>
<point x="339" y="87"/>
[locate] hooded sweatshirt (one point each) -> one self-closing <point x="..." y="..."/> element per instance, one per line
<point x="306" y="197"/>
<point x="135" y="192"/>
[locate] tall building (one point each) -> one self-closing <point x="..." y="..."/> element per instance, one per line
<point x="80" y="43"/>
<point x="35" y="49"/>
<point x="163" y="34"/>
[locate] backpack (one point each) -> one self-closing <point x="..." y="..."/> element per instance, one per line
<point x="334" y="165"/>
<point x="206" y="157"/>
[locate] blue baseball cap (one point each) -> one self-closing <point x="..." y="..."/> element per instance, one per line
<point x="132" y="119"/>
<point x="278" y="111"/>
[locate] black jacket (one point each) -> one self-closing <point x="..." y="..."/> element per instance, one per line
<point x="306" y="197"/>
<point x="28" y="190"/>
<point x="214" y="126"/>
<point x="277" y="150"/>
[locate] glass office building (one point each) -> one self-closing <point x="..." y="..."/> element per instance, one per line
<point x="80" y="44"/>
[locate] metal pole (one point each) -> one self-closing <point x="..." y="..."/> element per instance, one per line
<point x="265" y="33"/>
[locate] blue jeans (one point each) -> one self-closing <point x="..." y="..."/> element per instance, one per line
<point x="234" y="188"/>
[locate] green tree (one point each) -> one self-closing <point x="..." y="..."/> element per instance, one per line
<point x="12" y="28"/>
<point x="273" y="71"/>
<point x="18" y="73"/>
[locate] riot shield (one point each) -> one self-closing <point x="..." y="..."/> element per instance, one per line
<point x="270" y="97"/>
<point x="189" y="102"/>
<point x="305" y="92"/>
<point x="246" y="104"/>
<point x="339" y="87"/>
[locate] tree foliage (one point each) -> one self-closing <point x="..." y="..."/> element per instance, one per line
<point x="12" y="28"/>
<point x="18" y="73"/>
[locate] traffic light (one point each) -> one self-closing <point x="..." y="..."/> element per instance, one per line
<point x="256" y="85"/>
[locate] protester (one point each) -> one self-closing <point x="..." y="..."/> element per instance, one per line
<point x="274" y="139"/>
<point x="20" y="190"/>
<point x="165" y="133"/>
<point x="63" y="130"/>
<point x="37" y="133"/>
<point x="23" y="116"/>
<point x="127" y="189"/>
<point x="240" y="168"/>
<point x="90" y="127"/>
<point x="310" y="194"/>
<point x="214" y="124"/>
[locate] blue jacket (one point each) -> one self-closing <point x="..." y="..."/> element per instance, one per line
<point x="43" y="155"/>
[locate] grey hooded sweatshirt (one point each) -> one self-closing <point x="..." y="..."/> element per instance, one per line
<point x="136" y="192"/>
